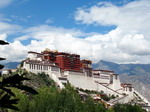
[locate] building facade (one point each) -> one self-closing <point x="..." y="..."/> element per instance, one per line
<point x="65" y="67"/>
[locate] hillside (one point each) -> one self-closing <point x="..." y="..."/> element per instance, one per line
<point x="51" y="98"/>
<point x="136" y="74"/>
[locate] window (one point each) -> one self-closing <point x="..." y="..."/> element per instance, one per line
<point x="30" y="66"/>
<point x="130" y="88"/>
<point x="104" y="77"/>
<point x="37" y="67"/>
<point x="55" y="69"/>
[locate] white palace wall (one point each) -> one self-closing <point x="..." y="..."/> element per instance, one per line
<point x="109" y="83"/>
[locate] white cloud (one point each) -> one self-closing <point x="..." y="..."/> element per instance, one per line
<point x="135" y="45"/>
<point x="128" y="43"/>
<point x="58" y="38"/>
<point x="15" y="51"/>
<point x="49" y="21"/>
<point x="131" y="18"/>
<point x="4" y="3"/>
<point x="3" y="36"/>
<point x="125" y="17"/>
<point x="54" y="30"/>
<point x="9" y="28"/>
<point x="66" y="40"/>
<point x="94" y="47"/>
<point x="21" y="38"/>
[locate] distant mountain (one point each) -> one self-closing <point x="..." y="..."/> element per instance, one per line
<point x="136" y="74"/>
<point x="11" y="65"/>
<point x="130" y="69"/>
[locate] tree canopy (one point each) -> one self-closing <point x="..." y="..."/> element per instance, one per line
<point x="7" y="96"/>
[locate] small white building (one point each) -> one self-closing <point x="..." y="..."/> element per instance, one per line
<point x="103" y="76"/>
<point x="37" y="66"/>
<point x="6" y="71"/>
<point x="33" y="55"/>
<point x="50" y="68"/>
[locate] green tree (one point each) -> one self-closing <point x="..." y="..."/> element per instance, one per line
<point x="68" y="100"/>
<point x="110" y="110"/>
<point x="6" y="85"/>
<point x="45" y="101"/>
<point x="93" y="106"/>
<point x="23" y="103"/>
<point x="127" y="108"/>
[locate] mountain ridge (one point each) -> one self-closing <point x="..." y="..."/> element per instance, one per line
<point x="129" y="69"/>
<point x="11" y="65"/>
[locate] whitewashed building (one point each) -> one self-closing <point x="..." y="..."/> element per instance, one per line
<point x="98" y="80"/>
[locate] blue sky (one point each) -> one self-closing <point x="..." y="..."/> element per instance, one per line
<point x="91" y="28"/>
<point x="56" y="13"/>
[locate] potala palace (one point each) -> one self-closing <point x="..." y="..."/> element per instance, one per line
<point x="64" y="67"/>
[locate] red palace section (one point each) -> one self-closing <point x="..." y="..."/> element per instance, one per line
<point x="66" y="61"/>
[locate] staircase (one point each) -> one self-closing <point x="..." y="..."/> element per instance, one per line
<point x="118" y="99"/>
<point x="139" y="98"/>
<point x="108" y="88"/>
